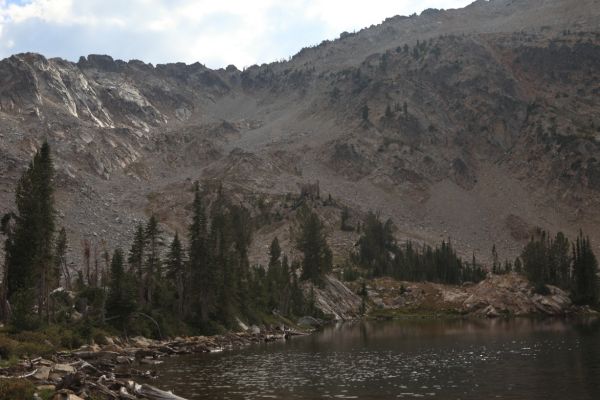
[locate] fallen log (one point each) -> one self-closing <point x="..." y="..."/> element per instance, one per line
<point x="152" y="393"/>
<point x="125" y="395"/>
<point x="27" y="375"/>
<point x="104" y="390"/>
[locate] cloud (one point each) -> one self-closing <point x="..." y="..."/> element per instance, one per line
<point x="216" y="33"/>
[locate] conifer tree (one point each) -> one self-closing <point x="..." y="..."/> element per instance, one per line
<point x="274" y="274"/>
<point x="297" y="301"/>
<point x="376" y="245"/>
<point x="518" y="265"/>
<point x="153" y="245"/>
<point x="285" y="296"/>
<point x="176" y="272"/>
<point x="120" y="303"/>
<point x="365" y="112"/>
<point x="311" y="241"/>
<point x="136" y="262"/>
<point x="30" y="247"/>
<point x="201" y="278"/>
<point x="495" y="261"/>
<point x="560" y="261"/>
<point x="241" y="232"/>
<point x="585" y="272"/>
<point x="219" y="284"/>
<point x="388" y="112"/>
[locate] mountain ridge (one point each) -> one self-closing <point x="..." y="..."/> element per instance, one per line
<point x="491" y="132"/>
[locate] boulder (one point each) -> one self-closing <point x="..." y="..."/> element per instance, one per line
<point x="124" y="360"/>
<point x="66" y="395"/>
<point x="140" y="341"/>
<point x="63" y="369"/>
<point x="491" y="312"/>
<point x="255" y="330"/>
<point x="42" y="373"/>
<point x="45" y="387"/>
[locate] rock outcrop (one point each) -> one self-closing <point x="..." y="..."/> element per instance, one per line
<point x="498" y="295"/>
<point x="336" y="300"/>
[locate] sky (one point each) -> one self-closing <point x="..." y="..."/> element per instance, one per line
<point x="214" y="33"/>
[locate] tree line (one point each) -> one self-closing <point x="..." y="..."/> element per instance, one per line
<point x="572" y="266"/>
<point x="202" y="281"/>
<point x="380" y="255"/>
<point x="545" y="260"/>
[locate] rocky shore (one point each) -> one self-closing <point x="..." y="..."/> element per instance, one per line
<point x="509" y="295"/>
<point x="113" y="369"/>
<point x="110" y="371"/>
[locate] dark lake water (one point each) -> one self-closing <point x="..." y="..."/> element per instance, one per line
<point x="450" y="359"/>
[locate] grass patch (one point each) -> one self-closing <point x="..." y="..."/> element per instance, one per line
<point x="16" y="389"/>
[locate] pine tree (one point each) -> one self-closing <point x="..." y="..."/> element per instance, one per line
<point x="365" y="112"/>
<point x="201" y="278"/>
<point x="176" y="272"/>
<point x="388" y="112"/>
<point x="518" y="265"/>
<point x="241" y="235"/>
<point x="219" y="285"/>
<point x="560" y="261"/>
<point x="376" y="245"/>
<point x="585" y="272"/>
<point x="7" y="229"/>
<point x="136" y="262"/>
<point x="30" y="248"/>
<point x="285" y="284"/>
<point x="535" y="259"/>
<point x="297" y="301"/>
<point x="274" y="275"/>
<point x="152" y="266"/>
<point x="495" y="262"/>
<point x="311" y="241"/>
<point x="120" y="303"/>
<point x="274" y="252"/>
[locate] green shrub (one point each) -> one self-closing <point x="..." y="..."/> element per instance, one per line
<point x="32" y="344"/>
<point x="7" y="347"/>
<point x="16" y="389"/>
<point x="46" y="394"/>
<point x="350" y="274"/>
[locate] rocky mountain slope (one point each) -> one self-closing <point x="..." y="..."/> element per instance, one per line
<point x="482" y="126"/>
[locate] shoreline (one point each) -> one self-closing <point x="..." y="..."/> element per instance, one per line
<point x="112" y="369"/>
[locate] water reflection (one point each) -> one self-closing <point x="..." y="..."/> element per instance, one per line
<point x="458" y="359"/>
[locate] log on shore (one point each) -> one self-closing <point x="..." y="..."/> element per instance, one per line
<point x="153" y="393"/>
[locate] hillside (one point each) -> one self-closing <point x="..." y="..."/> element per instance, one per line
<point x="482" y="126"/>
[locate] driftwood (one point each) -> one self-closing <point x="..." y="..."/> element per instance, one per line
<point x="104" y="390"/>
<point x="107" y="370"/>
<point x="152" y="393"/>
<point x="27" y="375"/>
<point x="94" y="355"/>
